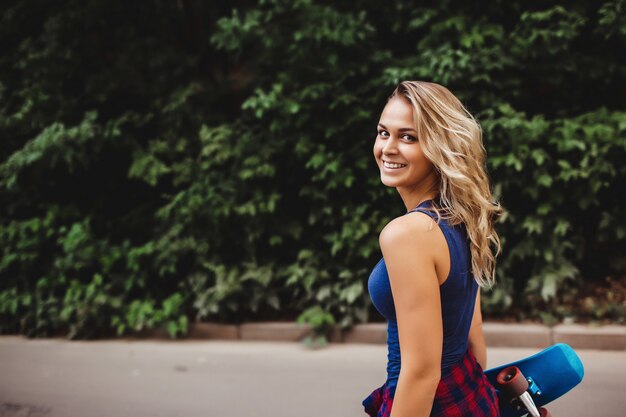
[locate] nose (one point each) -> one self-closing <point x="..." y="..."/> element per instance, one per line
<point x="390" y="147"/>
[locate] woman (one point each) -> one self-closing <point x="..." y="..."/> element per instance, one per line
<point x="435" y="257"/>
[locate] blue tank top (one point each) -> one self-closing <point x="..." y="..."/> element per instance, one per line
<point x="458" y="296"/>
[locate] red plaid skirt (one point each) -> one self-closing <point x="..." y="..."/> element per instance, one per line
<point x="463" y="391"/>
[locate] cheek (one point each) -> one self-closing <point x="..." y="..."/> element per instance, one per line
<point x="425" y="164"/>
<point x="377" y="148"/>
<point x="419" y="156"/>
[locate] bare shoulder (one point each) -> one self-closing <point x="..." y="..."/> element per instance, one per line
<point x="412" y="229"/>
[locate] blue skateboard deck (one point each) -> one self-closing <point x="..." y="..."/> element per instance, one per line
<point x="554" y="371"/>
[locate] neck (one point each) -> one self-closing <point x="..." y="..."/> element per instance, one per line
<point x="418" y="194"/>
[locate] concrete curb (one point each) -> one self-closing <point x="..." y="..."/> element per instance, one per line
<point x="518" y="335"/>
<point x="604" y="338"/>
<point x="610" y="337"/>
<point x="285" y="331"/>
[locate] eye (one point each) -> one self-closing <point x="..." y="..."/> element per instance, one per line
<point x="380" y="132"/>
<point x="409" y="138"/>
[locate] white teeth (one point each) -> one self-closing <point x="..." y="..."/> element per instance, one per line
<point x="390" y="165"/>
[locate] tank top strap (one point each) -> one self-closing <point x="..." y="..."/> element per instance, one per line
<point x="422" y="208"/>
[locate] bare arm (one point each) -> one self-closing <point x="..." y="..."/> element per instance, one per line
<point x="476" y="338"/>
<point x="407" y="247"/>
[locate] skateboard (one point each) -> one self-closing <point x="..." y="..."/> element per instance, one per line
<point x="526" y="385"/>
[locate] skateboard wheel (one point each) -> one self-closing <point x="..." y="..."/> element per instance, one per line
<point x="544" y="412"/>
<point x="512" y="381"/>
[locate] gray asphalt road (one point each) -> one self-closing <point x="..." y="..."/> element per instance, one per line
<point x="59" y="378"/>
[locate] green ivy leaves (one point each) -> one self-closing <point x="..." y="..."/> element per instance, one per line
<point x="206" y="162"/>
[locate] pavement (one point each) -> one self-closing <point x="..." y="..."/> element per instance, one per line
<point x="235" y="378"/>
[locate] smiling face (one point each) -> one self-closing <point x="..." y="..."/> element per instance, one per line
<point x="398" y="153"/>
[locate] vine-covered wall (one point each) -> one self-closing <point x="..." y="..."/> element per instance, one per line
<point x="164" y="162"/>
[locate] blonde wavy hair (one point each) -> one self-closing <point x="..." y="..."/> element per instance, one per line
<point x="451" y="139"/>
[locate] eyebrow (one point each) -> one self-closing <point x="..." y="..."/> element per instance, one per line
<point x="403" y="129"/>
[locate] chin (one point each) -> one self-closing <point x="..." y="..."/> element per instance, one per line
<point x="389" y="182"/>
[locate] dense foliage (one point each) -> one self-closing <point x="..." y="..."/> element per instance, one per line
<point x="167" y="161"/>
